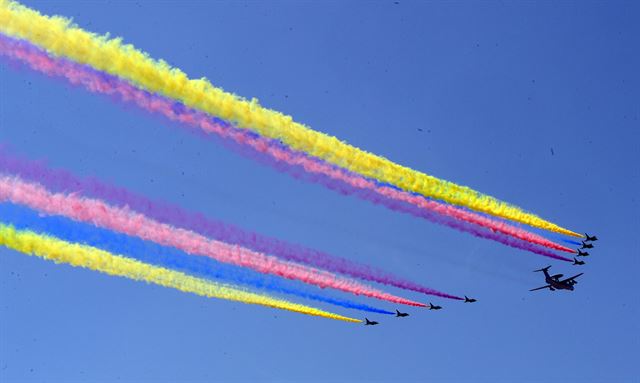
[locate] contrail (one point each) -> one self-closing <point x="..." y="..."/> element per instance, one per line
<point x="98" y="260"/>
<point x="125" y="221"/>
<point x="330" y="176"/>
<point x="22" y="218"/>
<point x="59" y="37"/>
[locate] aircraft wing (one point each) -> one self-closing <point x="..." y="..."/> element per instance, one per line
<point x="572" y="278"/>
<point x="540" y="288"/>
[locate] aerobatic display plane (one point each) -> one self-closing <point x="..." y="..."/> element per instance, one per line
<point x="469" y="300"/>
<point x="554" y="282"/>
<point x="370" y="322"/>
<point x="399" y="314"/>
<point x="432" y="307"/>
<point x="586" y="245"/>
<point x="582" y="253"/>
<point x="590" y="239"/>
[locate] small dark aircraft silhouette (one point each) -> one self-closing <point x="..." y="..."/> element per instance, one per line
<point x="469" y="300"/>
<point x="582" y="253"/>
<point x="432" y="307"/>
<point x="590" y="239"/>
<point x="554" y="282"/>
<point x="576" y="262"/>
<point x="369" y="322"/>
<point x="586" y="245"/>
<point x="399" y="314"/>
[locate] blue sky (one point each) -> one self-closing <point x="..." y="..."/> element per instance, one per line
<point x="534" y="103"/>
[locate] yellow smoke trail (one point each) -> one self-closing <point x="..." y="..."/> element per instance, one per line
<point x="60" y="37"/>
<point x="95" y="259"/>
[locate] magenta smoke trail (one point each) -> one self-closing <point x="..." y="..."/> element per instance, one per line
<point x="124" y="221"/>
<point x="330" y="176"/>
<point x="63" y="181"/>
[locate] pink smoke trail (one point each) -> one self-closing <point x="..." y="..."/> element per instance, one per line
<point x="99" y="82"/>
<point x="127" y="222"/>
<point x="63" y="181"/>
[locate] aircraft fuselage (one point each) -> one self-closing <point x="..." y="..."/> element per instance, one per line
<point x="559" y="286"/>
<point x="555" y="284"/>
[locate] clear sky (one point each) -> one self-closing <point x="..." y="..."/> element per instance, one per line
<point x="534" y="103"/>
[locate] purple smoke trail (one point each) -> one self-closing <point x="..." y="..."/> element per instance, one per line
<point x="263" y="150"/>
<point x="63" y="181"/>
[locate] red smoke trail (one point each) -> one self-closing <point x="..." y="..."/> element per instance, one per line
<point x="63" y="181"/>
<point x="99" y="82"/>
<point x="127" y="222"/>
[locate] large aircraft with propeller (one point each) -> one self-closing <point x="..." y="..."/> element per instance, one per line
<point x="555" y="283"/>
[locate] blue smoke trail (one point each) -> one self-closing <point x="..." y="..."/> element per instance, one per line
<point x="570" y="241"/>
<point x="148" y="252"/>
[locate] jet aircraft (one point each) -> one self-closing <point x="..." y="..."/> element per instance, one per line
<point x="576" y="262"/>
<point x="469" y="300"/>
<point x="590" y="239"/>
<point x="399" y="314"/>
<point x="586" y="245"/>
<point x="582" y="253"/>
<point x="369" y="322"/>
<point x="432" y="307"/>
<point x="554" y="282"/>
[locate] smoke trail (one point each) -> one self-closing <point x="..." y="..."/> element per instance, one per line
<point x="64" y="229"/>
<point x="275" y="155"/>
<point x="58" y="36"/>
<point x="59" y="180"/>
<point x="84" y="256"/>
<point x="63" y="181"/>
<point x="127" y="222"/>
<point x="571" y="242"/>
<point x="472" y="229"/>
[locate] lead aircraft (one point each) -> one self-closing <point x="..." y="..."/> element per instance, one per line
<point x="554" y="282"/>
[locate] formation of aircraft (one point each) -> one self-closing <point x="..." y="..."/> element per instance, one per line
<point x="586" y="244"/>
<point x="555" y="283"/>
